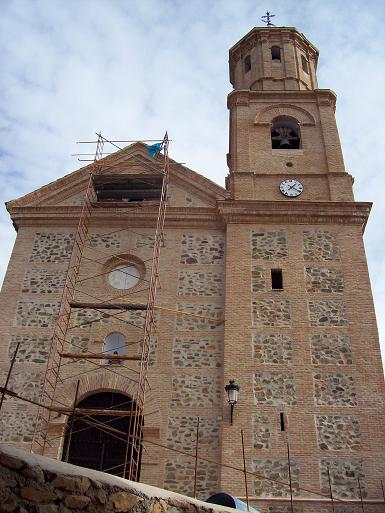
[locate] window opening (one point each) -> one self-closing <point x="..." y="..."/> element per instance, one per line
<point x="124" y="277"/>
<point x="109" y="188"/>
<point x="276" y="53"/>
<point x="98" y="448"/>
<point x="282" y="421"/>
<point x="114" y="344"/>
<point x="247" y="63"/>
<point x="305" y="64"/>
<point x="285" y="134"/>
<point x="276" y="279"/>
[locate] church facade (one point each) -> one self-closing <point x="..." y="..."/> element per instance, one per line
<point x="263" y="282"/>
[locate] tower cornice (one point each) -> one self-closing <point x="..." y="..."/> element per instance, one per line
<point x="244" y="96"/>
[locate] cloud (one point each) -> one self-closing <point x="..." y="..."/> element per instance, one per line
<point x="134" y="69"/>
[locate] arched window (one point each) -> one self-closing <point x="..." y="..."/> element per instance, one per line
<point x="247" y="63"/>
<point x="115" y="345"/>
<point x="285" y="134"/>
<point x="305" y="64"/>
<point x="275" y="53"/>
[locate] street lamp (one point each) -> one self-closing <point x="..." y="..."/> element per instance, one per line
<point x="232" y="396"/>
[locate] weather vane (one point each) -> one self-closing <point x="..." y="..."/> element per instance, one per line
<point x="267" y="19"/>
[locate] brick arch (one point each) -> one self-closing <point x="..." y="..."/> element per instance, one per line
<point x="266" y="115"/>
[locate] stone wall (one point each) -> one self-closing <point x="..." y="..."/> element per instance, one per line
<point x="39" y="314"/>
<point x="272" y="348"/>
<point x="200" y="283"/>
<point x="181" y="433"/>
<point x="323" y="279"/>
<point x="343" y="475"/>
<point x="334" y="389"/>
<point x="35" y="484"/>
<point x="197" y="352"/>
<point x="191" y="323"/>
<point x="330" y="312"/>
<point x="32" y="349"/>
<point x="42" y="281"/>
<point x="274" y="388"/>
<point x="261" y="431"/>
<point x="105" y="240"/>
<point x="320" y="245"/>
<point x="278" y="470"/>
<point x="338" y="432"/>
<point x="271" y="312"/>
<point x="17" y="426"/>
<point x="27" y="383"/>
<point x="331" y="349"/>
<point x="202" y="249"/>
<point x="196" y="390"/>
<point x="266" y="245"/>
<point x="52" y="247"/>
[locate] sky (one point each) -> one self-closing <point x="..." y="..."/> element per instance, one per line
<point x="134" y="68"/>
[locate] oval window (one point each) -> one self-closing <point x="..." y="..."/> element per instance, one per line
<point x="124" y="277"/>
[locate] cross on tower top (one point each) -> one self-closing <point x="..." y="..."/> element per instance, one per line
<point x="267" y="19"/>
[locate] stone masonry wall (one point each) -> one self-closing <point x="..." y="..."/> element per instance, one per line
<point x="331" y="349"/>
<point x="330" y="312"/>
<point x="200" y="283"/>
<point x="32" y="349"/>
<point x="202" y="249"/>
<point x="181" y="432"/>
<point x="179" y="477"/>
<point x="274" y="388"/>
<point x="17" y="426"/>
<point x="27" y="383"/>
<point x="52" y="247"/>
<point x="261" y="431"/>
<point x="42" y="281"/>
<point x="190" y="323"/>
<point x="268" y="245"/>
<point x="196" y="390"/>
<point x="258" y="278"/>
<point x="272" y="348"/>
<point x="36" y="484"/>
<point x="271" y="312"/>
<point x="322" y="279"/>
<point x="334" y="389"/>
<point x="343" y="476"/>
<point x="320" y="245"/>
<point x="40" y="314"/>
<point x="277" y="469"/>
<point x="338" y="432"/>
<point x="197" y="352"/>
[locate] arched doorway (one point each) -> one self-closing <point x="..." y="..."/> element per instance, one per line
<point x="100" y="447"/>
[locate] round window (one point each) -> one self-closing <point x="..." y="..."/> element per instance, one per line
<point x="124" y="277"/>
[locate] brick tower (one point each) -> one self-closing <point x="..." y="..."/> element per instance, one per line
<point x="300" y="331"/>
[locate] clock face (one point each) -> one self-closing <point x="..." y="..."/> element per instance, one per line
<point x="124" y="277"/>
<point x="291" y="187"/>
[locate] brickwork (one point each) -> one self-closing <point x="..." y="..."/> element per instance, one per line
<point x="261" y="431"/>
<point x="258" y="279"/>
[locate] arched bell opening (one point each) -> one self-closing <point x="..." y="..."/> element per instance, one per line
<point x="98" y="439"/>
<point x="285" y="134"/>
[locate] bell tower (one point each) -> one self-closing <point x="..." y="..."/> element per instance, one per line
<point x="300" y="330"/>
<point x="282" y="127"/>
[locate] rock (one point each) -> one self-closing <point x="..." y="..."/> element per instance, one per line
<point x="9" y="483"/>
<point x="9" y="503"/>
<point x="100" y="496"/>
<point x="35" y="495"/>
<point x="48" y="508"/>
<point x="72" y="484"/>
<point x="159" y="506"/>
<point x="77" y="501"/>
<point x="123" y="501"/>
<point x="11" y="462"/>
<point x="34" y="473"/>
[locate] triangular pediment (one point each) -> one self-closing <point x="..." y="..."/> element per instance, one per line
<point x="187" y="188"/>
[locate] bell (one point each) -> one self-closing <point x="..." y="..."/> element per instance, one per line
<point x="284" y="143"/>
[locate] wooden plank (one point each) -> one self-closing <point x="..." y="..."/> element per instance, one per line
<point x="99" y="356"/>
<point x="109" y="306"/>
